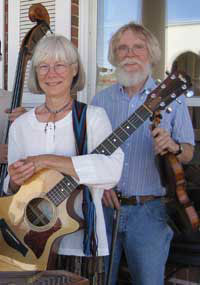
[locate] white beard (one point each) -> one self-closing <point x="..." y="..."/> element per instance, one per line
<point x="128" y="79"/>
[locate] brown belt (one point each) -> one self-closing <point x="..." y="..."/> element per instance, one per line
<point x="139" y="200"/>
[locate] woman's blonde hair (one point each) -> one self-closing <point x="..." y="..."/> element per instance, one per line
<point x="58" y="48"/>
<point x="151" y="41"/>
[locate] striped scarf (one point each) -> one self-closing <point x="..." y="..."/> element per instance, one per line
<point x="89" y="212"/>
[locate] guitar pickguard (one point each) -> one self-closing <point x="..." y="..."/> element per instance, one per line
<point x="32" y="237"/>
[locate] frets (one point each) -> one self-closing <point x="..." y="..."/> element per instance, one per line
<point x="67" y="185"/>
<point x="123" y="132"/>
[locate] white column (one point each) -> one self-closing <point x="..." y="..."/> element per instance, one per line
<point x="87" y="46"/>
<point x="63" y="17"/>
<point x="153" y="17"/>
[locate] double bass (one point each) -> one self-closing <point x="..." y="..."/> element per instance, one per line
<point x="38" y="14"/>
<point x="182" y="214"/>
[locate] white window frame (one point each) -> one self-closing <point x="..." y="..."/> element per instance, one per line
<point x="87" y="46"/>
<point x="62" y="26"/>
<point x="2" y="16"/>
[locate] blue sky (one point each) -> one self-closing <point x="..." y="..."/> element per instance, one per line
<point x="183" y="10"/>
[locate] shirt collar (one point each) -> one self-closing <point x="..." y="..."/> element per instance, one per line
<point x="149" y="85"/>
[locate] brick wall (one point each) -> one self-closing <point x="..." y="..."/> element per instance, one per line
<point x="5" y="47"/>
<point x="74" y="21"/>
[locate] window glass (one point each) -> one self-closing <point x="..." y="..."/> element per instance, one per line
<point x="111" y="15"/>
<point x="182" y="42"/>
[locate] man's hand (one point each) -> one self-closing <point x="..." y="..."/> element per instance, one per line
<point x="3" y="153"/>
<point x="12" y="115"/>
<point x="163" y="142"/>
<point x="110" y="199"/>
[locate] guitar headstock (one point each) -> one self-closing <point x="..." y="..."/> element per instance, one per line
<point x="176" y="84"/>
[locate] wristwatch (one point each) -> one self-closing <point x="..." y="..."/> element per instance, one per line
<point x="180" y="149"/>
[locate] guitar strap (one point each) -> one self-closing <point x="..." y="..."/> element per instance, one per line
<point x="79" y="110"/>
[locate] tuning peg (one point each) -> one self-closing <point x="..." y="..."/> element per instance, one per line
<point x="189" y="94"/>
<point x="178" y="101"/>
<point x="169" y="110"/>
<point x="158" y="81"/>
<point x="147" y="91"/>
<point x="162" y="104"/>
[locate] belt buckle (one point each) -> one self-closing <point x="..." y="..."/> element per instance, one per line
<point x="128" y="200"/>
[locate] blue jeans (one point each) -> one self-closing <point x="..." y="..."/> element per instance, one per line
<point x="144" y="235"/>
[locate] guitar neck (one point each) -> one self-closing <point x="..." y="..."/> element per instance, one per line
<point x="67" y="185"/>
<point x="62" y="190"/>
<point x="123" y="132"/>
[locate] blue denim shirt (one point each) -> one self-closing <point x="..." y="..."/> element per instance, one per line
<point x="140" y="175"/>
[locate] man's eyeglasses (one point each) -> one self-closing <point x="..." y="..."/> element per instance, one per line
<point x="137" y="49"/>
<point x="58" y="68"/>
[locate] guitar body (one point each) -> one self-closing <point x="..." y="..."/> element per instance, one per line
<point x="30" y="222"/>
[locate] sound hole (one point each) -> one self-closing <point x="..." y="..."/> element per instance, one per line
<point x="39" y="212"/>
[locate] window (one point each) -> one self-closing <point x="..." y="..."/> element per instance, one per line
<point x="111" y="14"/>
<point x="182" y="48"/>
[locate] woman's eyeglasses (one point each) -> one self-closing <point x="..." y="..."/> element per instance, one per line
<point x="58" y="68"/>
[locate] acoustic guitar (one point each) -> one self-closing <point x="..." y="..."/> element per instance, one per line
<point x="34" y="219"/>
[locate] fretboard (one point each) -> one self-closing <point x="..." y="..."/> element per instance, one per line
<point x="68" y="184"/>
<point x="123" y="132"/>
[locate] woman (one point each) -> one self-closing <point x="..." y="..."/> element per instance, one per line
<point x="44" y="137"/>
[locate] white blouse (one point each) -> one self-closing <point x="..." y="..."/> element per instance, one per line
<point x="27" y="137"/>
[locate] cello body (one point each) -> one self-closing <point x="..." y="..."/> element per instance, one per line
<point x="39" y="14"/>
<point x="182" y="214"/>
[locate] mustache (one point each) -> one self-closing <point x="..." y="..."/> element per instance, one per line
<point x="130" y="61"/>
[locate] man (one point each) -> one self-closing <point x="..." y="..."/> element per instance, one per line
<point x="143" y="232"/>
<point x="5" y="115"/>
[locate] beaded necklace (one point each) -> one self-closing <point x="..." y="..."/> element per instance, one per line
<point x="55" y="112"/>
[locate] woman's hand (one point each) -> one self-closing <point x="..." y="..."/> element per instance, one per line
<point x="20" y="171"/>
<point x="59" y="163"/>
<point x="23" y="169"/>
<point x="38" y="161"/>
